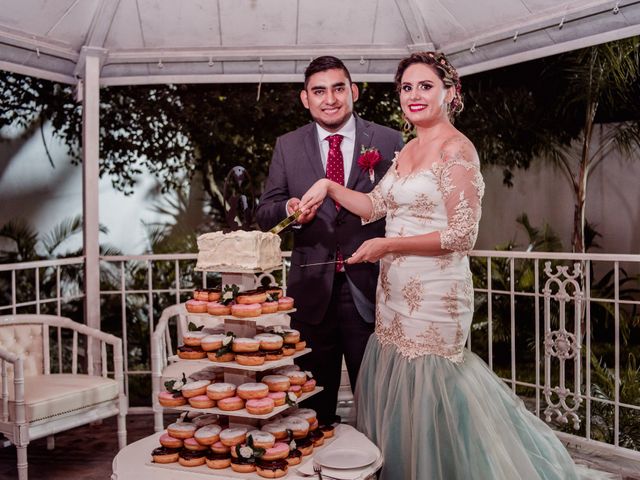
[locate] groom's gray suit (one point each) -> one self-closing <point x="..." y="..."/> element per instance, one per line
<point x="295" y="166"/>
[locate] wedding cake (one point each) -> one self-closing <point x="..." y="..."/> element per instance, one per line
<point x="240" y="250"/>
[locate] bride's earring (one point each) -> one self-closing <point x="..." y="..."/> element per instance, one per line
<point x="408" y="126"/>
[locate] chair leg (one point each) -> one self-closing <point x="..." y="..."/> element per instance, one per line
<point x="23" y="466"/>
<point x="51" y="442"/>
<point x="122" y="430"/>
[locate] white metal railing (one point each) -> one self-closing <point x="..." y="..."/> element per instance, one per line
<point x="503" y="296"/>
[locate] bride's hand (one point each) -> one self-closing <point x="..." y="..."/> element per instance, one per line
<point x="315" y="195"/>
<point x="370" y="251"/>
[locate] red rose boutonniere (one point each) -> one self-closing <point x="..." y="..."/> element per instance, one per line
<point x="368" y="159"/>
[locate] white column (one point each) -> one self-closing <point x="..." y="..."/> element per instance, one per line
<point x="90" y="191"/>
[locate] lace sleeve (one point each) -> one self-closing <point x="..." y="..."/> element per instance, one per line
<point x="462" y="188"/>
<point x="377" y="197"/>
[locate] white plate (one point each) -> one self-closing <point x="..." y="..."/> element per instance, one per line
<point x="344" y="458"/>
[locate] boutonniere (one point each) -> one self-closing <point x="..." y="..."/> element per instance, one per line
<point x="368" y="159"/>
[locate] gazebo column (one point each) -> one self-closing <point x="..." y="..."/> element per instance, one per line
<point x="90" y="197"/>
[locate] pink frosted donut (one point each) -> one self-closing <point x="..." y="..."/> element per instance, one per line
<point x="217" y="308"/>
<point x="196" y="306"/>
<point x="201" y="401"/>
<point x="246" y="311"/>
<point x="296" y="389"/>
<point x="168" y="441"/>
<point x="309" y="385"/>
<point x="285" y="303"/>
<point x="279" y="398"/>
<point x="278" y="451"/>
<point x="231" y="403"/>
<point x="218" y="447"/>
<point x="259" y="406"/>
<point x="167" y="399"/>
<point x="192" y="444"/>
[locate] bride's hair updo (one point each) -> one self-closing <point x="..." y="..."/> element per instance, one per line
<point x="447" y="73"/>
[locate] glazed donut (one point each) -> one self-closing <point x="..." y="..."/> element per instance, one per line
<point x="288" y="349"/>
<point x="217" y="460"/>
<point x="309" y="385"/>
<point x="269" y="307"/>
<point x="251" y="359"/>
<point x="301" y="345"/>
<point x="240" y="465"/>
<point x="327" y="430"/>
<point x="192" y="444"/>
<point x="191" y="458"/>
<point x="225" y="357"/>
<point x="273" y="355"/>
<point x="269" y="341"/>
<point x="291" y="336"/>
<point x="194" y="338"/>
<point x="246" y="311"/>
<point x="207" y="435"/>
<point x="218" y="391"/>
<point x="230" y="404"/>
<point x="196" y="306"/>
<point x="193" y="389"/>
<point x="287" y="368"/>
<point x="277" y="452"/>
<point x="252" y="390"/>
<point x="165" y="455"/>
<point x="295" y="457"/>
<point x="307" y="413"/>
<point x="219" y="447"/>
<point x="276" y="383"/>
<point x="204" y="419"/>
<point x="297" y="378"/>
<point x="296" y="390"/>
<point x="167" y="399"/>
<point x="261" y="439"/>
<point x="181" y="430"/>
<point x="231" y="437"/>
<point x="201" y="401"/>
<point x="201" y="294"/>
<point x="259" y="406"/>
<point x="272" y="469"/>
<point x="245" y="345"/>
<point x="217" y="308"/>
<point x="279" y="398"/>
<point x="285" y="303"/>
<point x="298" y="426"/>
<point x="251" y="296"/>
<point x="277" y="428"/>
<point x="186" y="352"/>
<point x="168" y="441"/>
<point x="212" y="342"/>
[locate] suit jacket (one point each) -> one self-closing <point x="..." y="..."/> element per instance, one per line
<point x="295" y="166"/>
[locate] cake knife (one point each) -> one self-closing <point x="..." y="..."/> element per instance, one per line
<point x="286" y="222"/>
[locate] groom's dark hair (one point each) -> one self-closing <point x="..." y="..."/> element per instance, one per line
<point x="322" y="64"/>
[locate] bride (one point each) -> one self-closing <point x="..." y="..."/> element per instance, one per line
<point x="434" y="408"/>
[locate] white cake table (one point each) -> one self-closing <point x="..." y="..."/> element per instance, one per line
<point x="134" y="461"/>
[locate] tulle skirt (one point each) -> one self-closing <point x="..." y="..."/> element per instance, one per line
<point x="437" y="420"/>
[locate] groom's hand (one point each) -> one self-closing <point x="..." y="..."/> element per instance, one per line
<point x="294" y="203"/>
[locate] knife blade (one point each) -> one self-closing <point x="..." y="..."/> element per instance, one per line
<point x="286" y="222"/>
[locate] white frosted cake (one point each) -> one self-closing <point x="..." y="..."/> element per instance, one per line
<point x="239" y="250"/>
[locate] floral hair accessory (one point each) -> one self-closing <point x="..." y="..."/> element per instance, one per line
<point x="368" y="159"/>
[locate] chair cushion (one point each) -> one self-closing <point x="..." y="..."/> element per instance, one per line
<point x="24" y="340"/>
<point x="56" y="394"/>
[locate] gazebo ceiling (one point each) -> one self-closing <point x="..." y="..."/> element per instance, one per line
<point x="191" y="41"/>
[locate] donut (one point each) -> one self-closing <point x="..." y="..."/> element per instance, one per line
<point x="273" y="291"/>
<point x="298" y="426"/>
<point x="269" y="341"/>
<point x="201" y="294"/>
<point x="291" y="336"/>
<point x="297" y="378"/>
<point x="219" y="447"/>
<point x="277" y="428"/>
<point x="196" y="306"/>
<point x="218" y="391"/>
<point x="193" y="389"/>
<point x="186" y="352"/>
<point x="231" y="437"/>
<point x="276" y="383"/>
<point x="167" y="399"/>
<point x="246" y="311"/>
<point x="240" y="465"/>
<point x="252" y="390"/>
<point x="217" y="308"/>
<point x="251" y="296"/>
<point x="207" y="435"/>
<point x="269" y="307"/>
<point x="296" y="390"/>
<point x="317" y="437"/>
<point x="314" y="426"/>
<point x="165" y="455"/>
<point x="309" y="385"/>
<point x="307" y="413"/>
<point x="214" y="294"/>
<point x="305" y="445"/>
<point x="251" y="359"/>
<point x="224" y="357"/>
<point x="245" y="345"/>
<point x="277" y="452"/>
<point x="272" y="468"/>
<point x="192" y="444"/>
<point x="288" y="349"/>
<point x="181" y="430"/>
<point x="273" y="355"/>
<point x="230" y="404"/>
<point x="204" y="419"/>
<point x="295" y="457"/>
<point x="212" y="342"/>
<point x="193" y="338"/>
<point x="261" y="439"/>
<point x="279" y="398"/>
<point x="191" y="458"/>
<point x="287" y="368"/>
<point x="201" y="401"/>
<point x="327" y="430"/>
<point x="217" y="461"/>
<point x="285" y="303"/>
<point x="301" y="345"/>
<point x="259" y="406"/>
<point x="168" y="441"/>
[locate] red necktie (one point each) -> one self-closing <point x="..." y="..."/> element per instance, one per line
<point x="335" y="172"/>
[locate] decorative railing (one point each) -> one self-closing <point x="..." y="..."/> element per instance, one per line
<point x="558" y="328"/>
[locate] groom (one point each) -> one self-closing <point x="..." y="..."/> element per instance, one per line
<point x="335" y="301"/>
